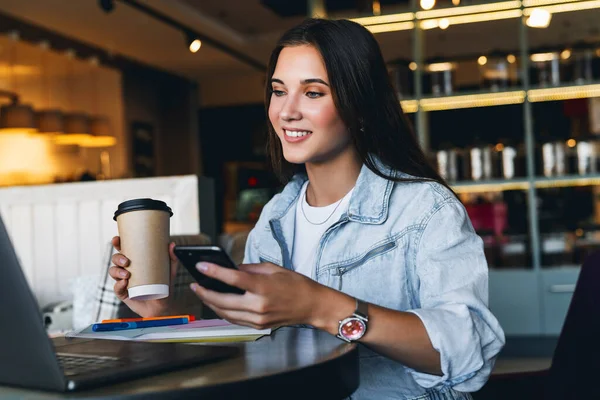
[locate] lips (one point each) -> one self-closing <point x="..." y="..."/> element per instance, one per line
<point x="295" y="135"/>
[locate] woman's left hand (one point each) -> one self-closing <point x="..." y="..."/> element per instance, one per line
<point x="274" y="295"/>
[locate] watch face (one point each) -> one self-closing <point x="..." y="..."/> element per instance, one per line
<point x="352" y="328"/>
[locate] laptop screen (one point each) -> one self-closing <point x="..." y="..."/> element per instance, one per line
<point x="27" y="356"/>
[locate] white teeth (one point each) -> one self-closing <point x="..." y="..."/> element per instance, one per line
<point x="296" y="133"/>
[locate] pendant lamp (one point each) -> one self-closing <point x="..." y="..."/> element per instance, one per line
<point x="49" y="121"/>
<point x="76" y="124"/>
<point x="76" y="130"/>
<point x="16" y="117"/>
<point x="100" y="129"/>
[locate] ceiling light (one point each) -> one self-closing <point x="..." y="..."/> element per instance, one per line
<point x="482" y="60"/>
<point x="101" y="135"/>
<point x="444" y="23"/>
<point x="49" y="122"/>
<point x="195" y="45"/>
<point x="456" y="2"/>
<point x="539" y="18"/>
<point x="193" y="42"/>
<point x="427" y="4"/>
<point x="511" y="58"/>
<point x="412" y="66"/>
<point x="77" y="130"/>
<point x="17" y="118"/>
<point x="565" y="54"/>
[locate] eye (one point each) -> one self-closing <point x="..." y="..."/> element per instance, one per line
<point x="314" y="95"/>
<point x="277" y="93"/>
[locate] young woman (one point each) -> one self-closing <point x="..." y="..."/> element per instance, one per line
<point x="365" y="231"/>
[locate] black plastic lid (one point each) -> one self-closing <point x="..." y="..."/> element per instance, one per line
<point x="142" y="204"/>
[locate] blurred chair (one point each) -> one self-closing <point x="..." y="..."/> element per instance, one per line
<point x="573" y="370"/>
<point x="574" y="366"/>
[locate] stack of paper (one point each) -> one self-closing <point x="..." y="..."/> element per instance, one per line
<point x="205" y="330"/>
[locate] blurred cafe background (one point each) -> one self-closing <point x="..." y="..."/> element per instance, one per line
<point x="503" y="95"/>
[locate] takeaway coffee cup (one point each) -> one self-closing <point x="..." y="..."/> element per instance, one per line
<point x="144" y="230"/>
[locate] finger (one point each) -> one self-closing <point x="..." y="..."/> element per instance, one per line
<point x="255" y="321"/>
<point x="116" y="242"/>
<point x="174" y="261"/>
<point x="120" y="289"/>
<point x="263" y="268"/>
<point x="118" y="273"/>
<point x="233" y="277"/>
<point x="120" y="260"/>
<point x="227" y="301"/>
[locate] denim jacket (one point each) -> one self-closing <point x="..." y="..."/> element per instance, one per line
<point x="407" y="246"/>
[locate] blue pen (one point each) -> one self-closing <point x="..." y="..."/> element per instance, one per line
<point x="119" y="326"/>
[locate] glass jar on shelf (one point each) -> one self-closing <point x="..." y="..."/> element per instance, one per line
<point x="546" y="68"/>
<point x="402" y="77"/>
<point x="578" y="59"/>
<point x="440" y="76"/>
<point x="496" y="71"/>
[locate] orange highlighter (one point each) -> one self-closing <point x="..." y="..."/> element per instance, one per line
<point x="190" y="318"/>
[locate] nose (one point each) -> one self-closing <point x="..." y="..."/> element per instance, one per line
<point x="290" y="110"/>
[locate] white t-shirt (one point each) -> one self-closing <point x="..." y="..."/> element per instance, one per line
<point x="307" y="235"/>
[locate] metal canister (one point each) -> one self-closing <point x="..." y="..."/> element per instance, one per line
<point x="579" y="59"/>
<point x="505" y="161"/>
<point x="586" y="156"/>
<point x="441" y="77"/>
<point x="554" y="158"/>
<point x="402" y="77"/>
<point x="450" y="164"/>
<point x="546" y="68"/>
<point x="481" y="162"/>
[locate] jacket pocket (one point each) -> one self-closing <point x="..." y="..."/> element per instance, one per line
<point x="370" y="254"/>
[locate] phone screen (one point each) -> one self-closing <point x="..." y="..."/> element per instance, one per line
<point x="191" y="255"/>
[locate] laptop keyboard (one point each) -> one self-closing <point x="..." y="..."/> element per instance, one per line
<point x="77" y="364"/>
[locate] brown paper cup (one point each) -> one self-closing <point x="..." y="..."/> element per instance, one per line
<point x="145" y="231"/>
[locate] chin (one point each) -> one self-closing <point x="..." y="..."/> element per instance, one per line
<point x="295" y="158"/>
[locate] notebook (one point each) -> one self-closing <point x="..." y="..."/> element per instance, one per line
<point x="205" y="330"/>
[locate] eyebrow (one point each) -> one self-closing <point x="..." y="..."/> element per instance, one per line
<point x="304" y="82"/>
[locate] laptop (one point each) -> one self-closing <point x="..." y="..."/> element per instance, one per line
<point x="30" y="359"/>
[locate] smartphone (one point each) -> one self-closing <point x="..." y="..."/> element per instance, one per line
<point x="191" y="255"/>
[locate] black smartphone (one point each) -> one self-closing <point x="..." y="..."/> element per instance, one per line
<point x="191" y="255"/>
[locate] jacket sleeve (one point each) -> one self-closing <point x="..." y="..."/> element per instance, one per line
<point x="453" y="296"/>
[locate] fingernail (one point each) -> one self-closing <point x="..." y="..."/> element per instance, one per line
<point x="122" y="260"/>
<point x="202" y="267"/>
<point x="194" y="286"/>
<point x="123" y="273"/>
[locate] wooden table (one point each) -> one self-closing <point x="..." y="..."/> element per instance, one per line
<point x="290" y="363"/>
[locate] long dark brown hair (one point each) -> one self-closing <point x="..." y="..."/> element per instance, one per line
<point x="364" y="98"/>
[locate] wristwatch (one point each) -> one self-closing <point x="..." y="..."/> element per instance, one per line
<point x="355" y="326"/>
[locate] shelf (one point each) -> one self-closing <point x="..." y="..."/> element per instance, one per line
<point x="500" y="185"/>
<point x="496" y="185"/>
<point x="483" y="12"/>
<point x="490" y="99"/>
<point x="568" y="181"/>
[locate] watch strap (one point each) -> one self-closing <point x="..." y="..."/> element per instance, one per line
<point x="362" y="309"/>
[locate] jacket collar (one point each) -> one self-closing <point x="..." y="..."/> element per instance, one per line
<point x="369" y="201"/>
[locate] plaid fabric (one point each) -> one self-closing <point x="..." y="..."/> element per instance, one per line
<point x="108" y="306"/>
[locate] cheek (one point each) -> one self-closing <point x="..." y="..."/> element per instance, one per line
<point x="326" y="117"/>
<point x="274" y="113"/>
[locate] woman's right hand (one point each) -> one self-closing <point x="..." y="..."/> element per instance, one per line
<point x="144" y="308"/>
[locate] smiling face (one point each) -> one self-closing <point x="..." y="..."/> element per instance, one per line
<point x="302" y="110"/>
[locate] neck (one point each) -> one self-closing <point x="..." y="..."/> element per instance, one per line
<point x="333" y="179"/>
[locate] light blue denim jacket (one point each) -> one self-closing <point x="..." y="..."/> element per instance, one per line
<point x="407" y="246"/>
